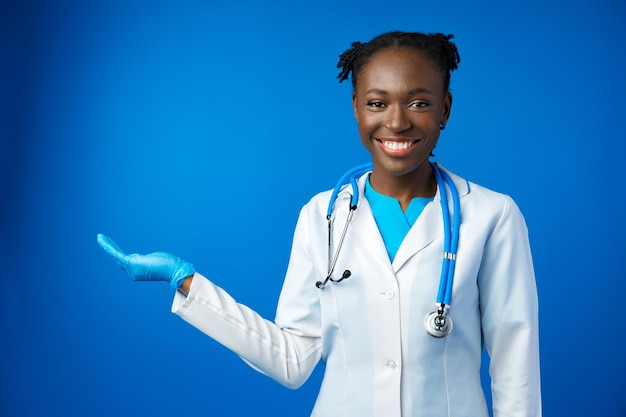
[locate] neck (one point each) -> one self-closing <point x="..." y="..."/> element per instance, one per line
<point x="420" y="182"/>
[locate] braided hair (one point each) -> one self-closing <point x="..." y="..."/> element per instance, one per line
<point x="436" y="46"/>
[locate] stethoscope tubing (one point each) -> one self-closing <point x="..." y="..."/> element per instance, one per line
<point x="333" y="262"/>
<point x="351" y="177"/>
<point x="451" y="234"/>
<point x="438" y="323"/>
<point x="454" y="244"/>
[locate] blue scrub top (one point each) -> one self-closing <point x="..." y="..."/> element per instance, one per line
<point x="392" y="222"/>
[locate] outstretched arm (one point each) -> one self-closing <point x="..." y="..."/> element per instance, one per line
<point x="286" y="356"/>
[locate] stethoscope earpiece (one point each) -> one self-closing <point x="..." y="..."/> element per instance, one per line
<point x="346" y="274"/>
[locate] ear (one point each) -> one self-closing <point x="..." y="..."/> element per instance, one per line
<point x="447" y="108"/>
<point x="354" y="109"/>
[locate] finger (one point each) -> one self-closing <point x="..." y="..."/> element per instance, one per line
<point x="113" y="250"/>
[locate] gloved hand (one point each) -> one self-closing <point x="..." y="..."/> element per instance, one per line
<point x="157" y="266"/>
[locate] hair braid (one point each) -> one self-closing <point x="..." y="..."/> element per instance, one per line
<point x="346" y="61"/>
<point x="436" y="47"/>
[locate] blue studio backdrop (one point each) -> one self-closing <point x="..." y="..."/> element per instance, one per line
<point x="201" y="128"/>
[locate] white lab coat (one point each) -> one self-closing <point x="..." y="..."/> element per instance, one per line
<point x="369" y="328"/>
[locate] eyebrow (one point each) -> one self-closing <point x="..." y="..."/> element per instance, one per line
<point x="416" y="90"/>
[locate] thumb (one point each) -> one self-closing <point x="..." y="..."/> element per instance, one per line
<point x="113" y="250"/>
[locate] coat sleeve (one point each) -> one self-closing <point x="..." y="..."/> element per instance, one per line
<point x="288" y="355"/>
<point x="509" y="314"/>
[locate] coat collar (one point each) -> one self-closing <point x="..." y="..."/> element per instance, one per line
<point x="427" y="228"/>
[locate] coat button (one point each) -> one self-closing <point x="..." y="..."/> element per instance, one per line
<point x="388" y="294"/>
<point x="391" y="364"/>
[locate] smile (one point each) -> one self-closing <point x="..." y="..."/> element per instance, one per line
<point x="394" y="145"/>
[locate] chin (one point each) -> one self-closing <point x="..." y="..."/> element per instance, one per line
<point x="402" y="166"/>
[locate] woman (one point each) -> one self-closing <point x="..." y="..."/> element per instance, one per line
<point x="369" y="326"/>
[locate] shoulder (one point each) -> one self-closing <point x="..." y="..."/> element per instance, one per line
<point x="483" y="195"/>
<point x="482" y="202"/>
<point x="319" y="202"/>
<point x="315" y="210"/>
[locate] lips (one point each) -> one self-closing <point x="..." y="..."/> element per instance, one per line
<point x="397" y="147"/>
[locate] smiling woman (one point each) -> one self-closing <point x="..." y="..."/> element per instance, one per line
<point x="368" y="325"/>
<point x="400" y="103"/>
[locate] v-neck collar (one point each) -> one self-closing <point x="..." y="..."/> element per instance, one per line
<point x="393" y="224"/>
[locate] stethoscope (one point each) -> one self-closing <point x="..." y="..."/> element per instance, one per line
<point x="438" y="323"/>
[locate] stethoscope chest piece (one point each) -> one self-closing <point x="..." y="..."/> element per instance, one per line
<point x="438" y="325"/>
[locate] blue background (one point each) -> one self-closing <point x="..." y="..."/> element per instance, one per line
<point x="201" y="129"/>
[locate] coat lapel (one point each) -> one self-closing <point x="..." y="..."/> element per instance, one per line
<point x="429" y="225"/>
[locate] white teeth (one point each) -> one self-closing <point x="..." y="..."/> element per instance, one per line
<point x="397" y="146"/>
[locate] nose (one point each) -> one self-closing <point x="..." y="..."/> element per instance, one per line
<point x="396" y="119"/>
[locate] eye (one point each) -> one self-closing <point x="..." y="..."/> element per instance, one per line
<point x="419" y="104"/>
<point x="375" y="104"/>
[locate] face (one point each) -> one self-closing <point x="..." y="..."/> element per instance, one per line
<point x="399" y="102"/>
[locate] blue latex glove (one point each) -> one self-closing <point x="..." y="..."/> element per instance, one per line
<point x="157" y="266"/>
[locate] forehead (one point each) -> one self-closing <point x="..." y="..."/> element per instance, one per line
<point x="400" y="66"/>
